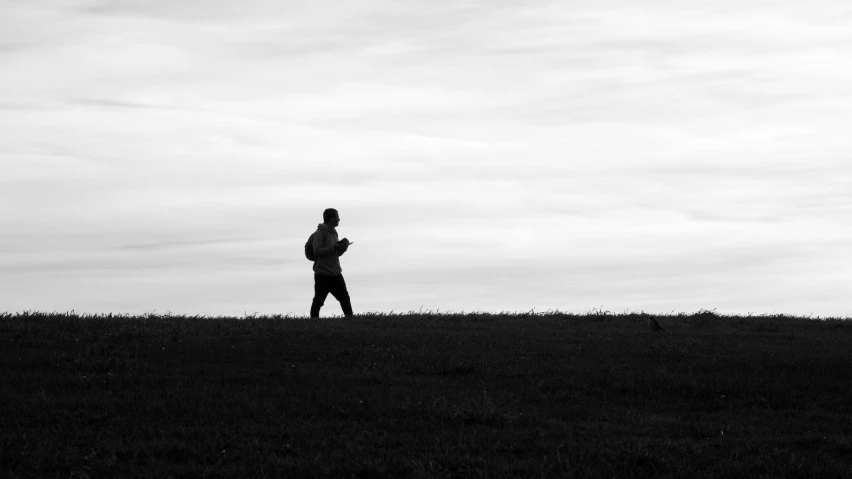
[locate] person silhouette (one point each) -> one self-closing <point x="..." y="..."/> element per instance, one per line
<point x="328" y="275"/>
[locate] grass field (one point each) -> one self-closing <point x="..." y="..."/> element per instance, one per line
<point x="425" y="395"/>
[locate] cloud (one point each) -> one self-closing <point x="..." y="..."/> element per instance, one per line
<point x="493" y="154"/>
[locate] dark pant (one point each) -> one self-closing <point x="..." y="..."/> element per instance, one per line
<point x="335" y="285"/>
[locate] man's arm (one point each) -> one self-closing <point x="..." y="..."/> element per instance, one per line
<point x="319" y="249"/>
<point x="342" y="246"/>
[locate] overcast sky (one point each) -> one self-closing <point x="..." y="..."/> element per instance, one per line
<point x="656" y="155"/>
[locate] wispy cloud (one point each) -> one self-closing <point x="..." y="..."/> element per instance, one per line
<point x="494" y="154"/>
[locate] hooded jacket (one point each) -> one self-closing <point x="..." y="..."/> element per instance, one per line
<point x="327" y="262"/>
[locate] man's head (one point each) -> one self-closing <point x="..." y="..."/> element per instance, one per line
<point x="330" y="217"/>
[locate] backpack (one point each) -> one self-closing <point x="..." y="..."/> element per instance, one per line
<point x="309" y="248"/>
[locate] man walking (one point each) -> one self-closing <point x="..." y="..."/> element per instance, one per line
<point x="328" y="275"/>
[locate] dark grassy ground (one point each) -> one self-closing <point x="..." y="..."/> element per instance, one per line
<point x="425" y="395"/>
